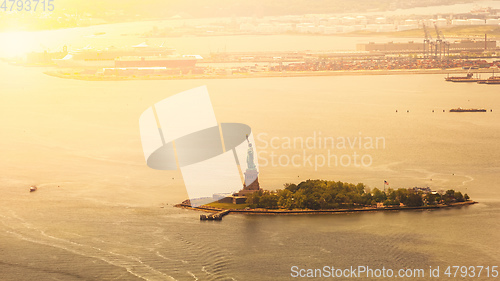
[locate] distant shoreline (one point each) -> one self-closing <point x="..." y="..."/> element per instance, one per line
<point x="87" y="77"/>
<point x="321" y="212"/>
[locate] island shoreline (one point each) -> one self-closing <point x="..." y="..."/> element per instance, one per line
<point x="322" y="212"/>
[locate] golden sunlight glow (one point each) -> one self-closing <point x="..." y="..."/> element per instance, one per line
<point x="16" y="44"/>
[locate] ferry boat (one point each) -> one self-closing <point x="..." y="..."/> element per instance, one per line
<point x="467" y="110"/>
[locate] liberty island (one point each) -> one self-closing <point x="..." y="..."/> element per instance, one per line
<point x="323" y="197"/>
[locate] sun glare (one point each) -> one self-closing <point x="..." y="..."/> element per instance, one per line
<point x="16" y="44"/>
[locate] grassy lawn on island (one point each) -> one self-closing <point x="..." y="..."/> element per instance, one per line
<point x="227" y="205"/>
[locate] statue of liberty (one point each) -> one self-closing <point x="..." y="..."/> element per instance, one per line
<point x="250" y="161"/>
<point x="251" y="183"/>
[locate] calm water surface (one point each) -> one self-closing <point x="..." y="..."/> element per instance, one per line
<point x="101" y="214"/>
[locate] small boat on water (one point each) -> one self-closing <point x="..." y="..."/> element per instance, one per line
<point x="468" y="78"/>
<point x="492" y="80"/>
<point x="33" y="188"/>
<point x="467" y="110"/>
<point x="462" y="79"/>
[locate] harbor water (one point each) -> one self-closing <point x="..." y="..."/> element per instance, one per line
<point x="101" y="214"/>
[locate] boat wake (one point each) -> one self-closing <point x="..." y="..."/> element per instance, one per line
<point x="21" y="229"/>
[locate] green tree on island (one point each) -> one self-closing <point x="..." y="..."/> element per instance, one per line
<point x="322" y="194"/>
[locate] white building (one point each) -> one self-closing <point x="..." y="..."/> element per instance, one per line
<point x="460" y="22"/>
<point x="348" y="21"/>
<point x="333" y="21"/>
<point x="403" y="27"/>
<point x="476" y="21"/>
<point x="361" y="20"/>
<point x="284" y="27"/>
<point x="386" y="28"/>
<point x="372" y="27"/>
<point x="441" y="22"/>
<point x="411" y="22"/>
<point x="248" y="27"/>
<point x="358" y="27"/>
<point x="493" y="21"/>
<point x="265" y="28"/>
<point x="330" y="30"/>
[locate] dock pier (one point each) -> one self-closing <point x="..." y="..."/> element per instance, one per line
<point x="214" y="217"/>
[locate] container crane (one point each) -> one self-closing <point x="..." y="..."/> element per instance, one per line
<point x="444" y="45"/>
<point x="428" y="42"/>
<point x="439" y="43"/>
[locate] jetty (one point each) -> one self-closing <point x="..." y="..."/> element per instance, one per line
<point x="215" y="214"/>
<point x="214" y="217"/>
